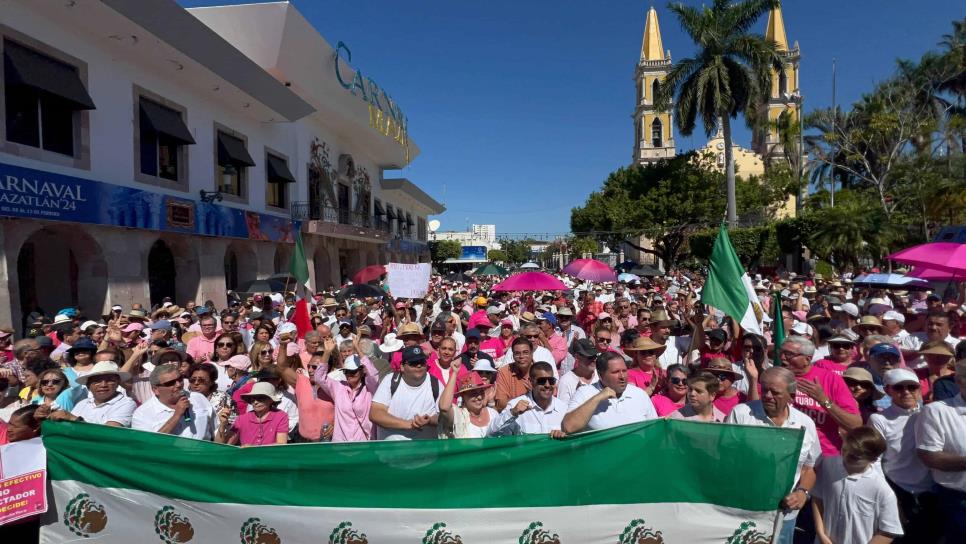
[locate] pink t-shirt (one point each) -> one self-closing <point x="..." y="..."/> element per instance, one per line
<point x="199" y="345"/>
<point x="726" y="405"/>
<point x="251" y="432"/>
<point x="492" y="347"/>
<point x="437" y="372"/>
<point x="314" y="412"/>
<point x="834" y="386"/>
<point x="832" y="366"/>
<point x="642" y="378"/>
<point x="664" y="405"/>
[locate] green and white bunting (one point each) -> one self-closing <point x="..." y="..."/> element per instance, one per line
<point x="655" y="482"/>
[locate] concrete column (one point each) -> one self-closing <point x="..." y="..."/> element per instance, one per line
<point x="211" y="266"/>
<point x="126" y="257"/>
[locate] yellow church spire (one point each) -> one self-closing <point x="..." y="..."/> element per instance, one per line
<point x="652" y="48"/>
<point x="776" y="28"/>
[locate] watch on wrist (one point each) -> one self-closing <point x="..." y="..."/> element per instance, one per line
<point x="808" y="494"/>
<point x="827" y="403"/>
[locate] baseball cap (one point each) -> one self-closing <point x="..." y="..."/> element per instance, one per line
<point x="718" y="334"/>
<point x="117" y="308"/>
<point x="802" y="328"/>
<point x="44" y="341"/>
<point x="239" y="362"/>
<point x="161" y="324"/>
<point x="353" y="362"/>
<point x="413" y="354"/>
<point x="882" y="349"/>
<point x="584" y="347"/>
<point x="493" y="310"/>
<point x="565" y="312"/>
<point x="473" y="333"/>
<point x="900" y="375"/>
<point x="134" y="327"/>
<point x="848" y="308"/>
<point x="893" y="315"/>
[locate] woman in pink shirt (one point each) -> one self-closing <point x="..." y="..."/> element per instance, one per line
<point x="675" y="393"/>
<point x="442" y="367"/>
<point x="264" y="425"/>
<point x="645" y="373"/>
<point x="351" y="394"/>
<point x="728" y="397"/>
<point x="840" y="355"/>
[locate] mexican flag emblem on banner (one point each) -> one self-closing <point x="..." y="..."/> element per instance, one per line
<point x="649" y="483"/>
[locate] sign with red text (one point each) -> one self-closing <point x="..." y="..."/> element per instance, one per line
<point x="408" y="280"/>
<point x="23" y="480"/>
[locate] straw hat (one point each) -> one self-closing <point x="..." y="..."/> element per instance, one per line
<point x="860" y="374"/>
<point x="660" y="318"/>
<point x="471" y="382"/>
<point x="644" y="343"/>
<point x="409" y="329"/>
<point x="720" y="366"/>
<point x="936" y="347"/>
<point x="263" y="389"/>
<point x="868" y="322"/>
<point x="103" y="368"/>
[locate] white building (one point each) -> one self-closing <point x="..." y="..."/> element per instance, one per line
<point x="478" y="235"/>
<point x="486" y="232"/>
<point x="119" y="118"/>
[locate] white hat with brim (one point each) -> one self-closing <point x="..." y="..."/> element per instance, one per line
<point x="103" y="368"/>
<point x="390" y="343"/>
<point x="263" y="389"/>
<point x="900" y="375"/>
<point x="483" y="365"/>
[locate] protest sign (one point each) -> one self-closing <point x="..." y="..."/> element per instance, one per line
<point x="23" y="480"/>
<point x="408" y="280"/>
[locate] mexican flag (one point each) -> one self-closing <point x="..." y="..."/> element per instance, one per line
<point x="299" y="269"/>
<point x="694" y="482"/>
<point x="729" y="288"/>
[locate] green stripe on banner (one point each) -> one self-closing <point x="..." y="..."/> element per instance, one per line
<point x="659" y="461"/>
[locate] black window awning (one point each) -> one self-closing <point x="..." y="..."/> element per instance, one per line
<point x="401" y="217"/>
<point x="232" y="150"/>
<point x="409" y="220"/>
<point x="390" y="213"/>
<point x="165" y="121"/>
<point x="278" y="171"/>
<point x="31" y="69"/>
<point x="378" y="209"/>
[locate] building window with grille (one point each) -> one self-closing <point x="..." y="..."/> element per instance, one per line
<point x="657" y="136"/>
<point x="232" y="164"/>
<point x="43" y="100"/>
<point x="163" y="138"/>
<point x="277" y="179"/>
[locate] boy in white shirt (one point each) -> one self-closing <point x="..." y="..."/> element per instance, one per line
<point x="852" y="501"/>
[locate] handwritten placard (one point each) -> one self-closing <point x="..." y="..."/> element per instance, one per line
<point x="408" y="280"/>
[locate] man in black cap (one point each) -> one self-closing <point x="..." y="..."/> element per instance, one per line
<point x="472" y="354"/>
<point x="405" y="406"/>
<point x="584" y="371"/>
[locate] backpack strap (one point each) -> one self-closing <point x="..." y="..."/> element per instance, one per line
<point x="434" y="384"/>
<point x="394" y="384"/>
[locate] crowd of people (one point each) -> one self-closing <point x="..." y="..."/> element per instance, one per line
<point x="875" y="378"/>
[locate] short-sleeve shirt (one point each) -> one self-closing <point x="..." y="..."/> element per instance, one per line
<point x="252" y="432"/>
<point x="152" y="415"/>
<point x="407" y="403"/>
<point x="509" y="385"/>
<point x="119" y="409"/>
<point x="568" y="385"/>
<point x="942" y="427"/>
<point x="900" y="461"/>
<point x="664" y="406"/>
<point x="836" y="390"/>
<point x="633" y="406"/>
<point x="856" y="506"/>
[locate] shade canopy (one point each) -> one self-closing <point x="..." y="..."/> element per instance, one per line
<point x="530" y="281"/>
<point x="941" y="256"/>
<point x="891" y="281"/>
<point x="491" y="269"/>
<point x="369" y="273"/>
<point x="29" y="68"/>
<point x="590" y="270"/>
<point x="530" y="266"/>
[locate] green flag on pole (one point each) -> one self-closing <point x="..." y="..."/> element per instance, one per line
<point x="298" y="267"/>
<point x="778" y="327"/>
<point x="729" y="288"/>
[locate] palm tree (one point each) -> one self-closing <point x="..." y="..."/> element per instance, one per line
<point x="730" y="71"/>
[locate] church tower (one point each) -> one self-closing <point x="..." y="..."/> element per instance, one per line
<point x="653" y="131"/>
<point x="784" y="97"/>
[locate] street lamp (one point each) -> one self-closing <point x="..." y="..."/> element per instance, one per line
<point x="228" y="172"/>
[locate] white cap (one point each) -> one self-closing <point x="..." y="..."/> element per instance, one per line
<point x="352" y="362"/>
<point x="483" y="365"/>
<point x="899" y="375"/>
<point x="848" y="308"/>
<point x="802" y="328"/>
<point x="893" y="315"/>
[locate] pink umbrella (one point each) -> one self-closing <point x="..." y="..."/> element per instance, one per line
<point x="590" y="270"/>
<point x="530" y="281"/>
<point x="933" y="274"/>
<point x="941" y="256"/>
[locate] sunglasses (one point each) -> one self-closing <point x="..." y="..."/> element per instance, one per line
<point x="678" y="381"/>
<point x="311" y="368"/>
<point x="723" y="376"/>
<point x="226" y="344"/>
<point x="546" y="381"/>
<point x="900" y="388"/>
<point x="51" y="382"/>
<point x="841" y="346"/>
<point x="265" y="352"/>
<point x="648" y="352"/>
<point x="418" y="363"/>
<point x="169" y="383"/>
<point x="226" y="322"/>
<point x="851" y="383"/>
<point x="351" y="372"/>
<point x="601" y="339"/>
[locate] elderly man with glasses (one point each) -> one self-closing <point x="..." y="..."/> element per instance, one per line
<point x="105" y="405"/>
<point x="172" y="410"/>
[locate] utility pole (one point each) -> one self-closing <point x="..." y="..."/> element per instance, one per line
<point x="835" y="118"/>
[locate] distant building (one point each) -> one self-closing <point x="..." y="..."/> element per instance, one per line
<point x="478" y="235"/>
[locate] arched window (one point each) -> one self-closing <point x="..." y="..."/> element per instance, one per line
<point x="782" y="83"/>
<point x="655" y="90"/>
<point x="657" y="134"/>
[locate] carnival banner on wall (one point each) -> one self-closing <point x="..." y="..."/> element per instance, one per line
<point x="36" y="194"/>
<point x="654" y="482"/>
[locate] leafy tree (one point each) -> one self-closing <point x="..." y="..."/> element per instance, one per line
<point x="517" y="251"/>
<point x="730" y="71"/>
<point x="497" y="255"/>
<point x="440" y="250"/>
<point x="580" y="245"/>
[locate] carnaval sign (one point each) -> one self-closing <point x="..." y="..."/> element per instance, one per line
<point x="701" y="483"/>
<point x="36" y="194"/>
<point x="384" y="113"/>
<point x="23" y="480"/>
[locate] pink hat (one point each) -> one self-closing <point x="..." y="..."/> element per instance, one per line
<point x="400" y="305"/>
<point x="800" y="315"/>
<point x="603" y="315"/>
<point x="506" y="323"/>
<point x="472" y="382"/>
<point x="134" y="327"/>
<point x="240" y="362"/>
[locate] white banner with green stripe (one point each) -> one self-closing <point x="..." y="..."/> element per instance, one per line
<point x="659" y="481"/>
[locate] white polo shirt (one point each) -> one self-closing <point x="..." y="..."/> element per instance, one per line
<point x="942" y="427"/>
<point x="753" y="413"/>
<point x="633" y="406"/>
<point x="119" y="410"/>
<point x="534" y="421"/>
<point x="856" y="506"/>
<point x="152" y="415"/>
<point x="900" y="462"/>
<point x="568" y="385"/>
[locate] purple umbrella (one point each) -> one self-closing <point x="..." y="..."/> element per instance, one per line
<point x="939" y="256"/>
<point x="590" y="270"/>
<point x="530" y="281"/>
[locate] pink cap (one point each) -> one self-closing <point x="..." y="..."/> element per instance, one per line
<point x="603" y="315"/>
<point x="800" y="315"/>
<point x="134" y="327"/>
<point x="506" y="323"/>
<point x="240" y="362"/>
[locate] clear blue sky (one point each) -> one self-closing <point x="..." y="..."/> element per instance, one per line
<point x="522" y="107"/>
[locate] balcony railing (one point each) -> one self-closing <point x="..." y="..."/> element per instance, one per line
<point x="305" y="211"/>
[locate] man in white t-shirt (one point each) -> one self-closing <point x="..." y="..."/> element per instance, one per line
<point x="105" y="405"/>
<point x="610" y="402"/>
<point x="775" y="409"/>
<point x="405" y="406"/>
<point x="172" y="410"/>
<point x="583" y="373"/>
